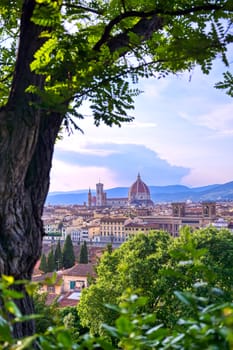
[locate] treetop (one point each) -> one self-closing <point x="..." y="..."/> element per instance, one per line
<point x="97" y="50"/>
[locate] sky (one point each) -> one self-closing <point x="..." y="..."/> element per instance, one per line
<point x="182" y="134"/>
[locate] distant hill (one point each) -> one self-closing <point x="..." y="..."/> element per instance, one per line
<point x="159" y="194"/>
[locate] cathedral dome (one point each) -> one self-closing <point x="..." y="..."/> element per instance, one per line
<point x="139" y="193"/>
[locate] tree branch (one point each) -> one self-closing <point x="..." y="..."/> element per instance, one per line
<point x="147" y="17"/>
<point x="144" y="29"/>
<point x="83" y="8"/>
<point x="106" y="35"/>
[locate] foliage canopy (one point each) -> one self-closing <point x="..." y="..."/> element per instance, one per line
<point x="129" y="39"/>
<point x="83" y="256"/>
<point x="58" y="256"/>
<point x="68" y="253"/>
<point x="156" y="266"/>
<point x="209" y="326"/>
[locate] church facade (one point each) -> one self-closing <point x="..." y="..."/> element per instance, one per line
<point x="138" y="195"/>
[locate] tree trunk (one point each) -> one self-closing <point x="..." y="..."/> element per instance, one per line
<point x="27" y="139"/>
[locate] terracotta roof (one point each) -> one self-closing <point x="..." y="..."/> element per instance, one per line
<point x="50" y="298"/>
<point x="44" y="276"/>
<point x="80" y="270"/>
<point x="113" y="219"/>
<point x="65" y="300"/>
<point x="68" y="302"/>
<point x="142" y="225"/>
<point x="94" y="253"/>
<point x="138" y="187"/>
<point x="62" y="300"/>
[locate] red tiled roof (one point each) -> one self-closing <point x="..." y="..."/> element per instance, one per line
<point x="44" y="276"/>
<point x="80" y="270"/>
<point x="50" y="298"/>
<point x="68" y="302"/>
<point x="113" y="219"/>
<point x="152" y="225"/>
<point x="65" y="300"/>
<point x="138" y="187"/>
<point x="94" y="253"/>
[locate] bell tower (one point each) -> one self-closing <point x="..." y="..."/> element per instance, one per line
<point x="178" y="209"/>
<point x="209" y="209"/>
<point x="89" y="200"/>
<point x="99" y="194"/>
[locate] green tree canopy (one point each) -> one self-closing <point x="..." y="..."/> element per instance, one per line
<point x="156" y="266"/>
<point x="58" y="256"/>
<point x="48" y="313"/>
<point x="68" y="253"/>
<point x="209" y="328"/>
<point x="51" y="265"/>
<point x="68" y="316"/>
<point x="83" y="257"/>
<point x="134" y="265"/>
<point x="79" y="40"/>
<point x="43" y="263"/>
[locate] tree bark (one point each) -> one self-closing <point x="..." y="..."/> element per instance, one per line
<point x="27" y="138"/>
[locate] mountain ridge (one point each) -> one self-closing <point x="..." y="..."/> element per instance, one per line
<point x="159" y="194"/>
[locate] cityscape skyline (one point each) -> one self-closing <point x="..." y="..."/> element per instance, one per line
<point x="182" y="134"/>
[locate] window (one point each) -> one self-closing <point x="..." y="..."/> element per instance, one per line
<point x="51" y="289"/>
<point x="72" y="284"/>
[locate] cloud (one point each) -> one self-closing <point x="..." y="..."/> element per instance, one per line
<point x="69" y="177"/>
<point x="119" y="163"/>
<point x="182" y="133"/>
<point x="209" y="175"/>
<point x="140" y="125"/>
<point x="219" y="119"/>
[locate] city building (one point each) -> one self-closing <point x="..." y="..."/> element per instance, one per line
<point x="204" y="217"/>
<point x="119" y="229"/>
<point x="112" y="229"/>
<point x="138" y="196"/>
<point x="68" y="285"/>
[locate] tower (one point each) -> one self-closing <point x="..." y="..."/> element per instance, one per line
<point x="209" y="209"/>
<point x="178" y="209"/>
<point x="89" y="199"/>
<point x="99" y="194"/>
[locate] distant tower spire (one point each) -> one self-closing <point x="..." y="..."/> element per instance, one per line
<point x="89" y="198"/>
<point x="99" y="194"/>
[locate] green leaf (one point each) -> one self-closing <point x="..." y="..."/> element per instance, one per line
<point x="154" y="329"/>
<point x="65" y="339"/>
<point x="51" y="280"/>
<point x="113" y="307"/>
<point x="183" y="297"/>
<point x="5" y="330"/>
<point x="10" y="293"/>
<point x="31" y="288"/>
<point x="111" y="330"/>
<point x="9" y="279"/>
<point x="24" y="318"/>
<point x="12" y="308"/>
<point x="25" y="343"/>
<point x="124" y="325"/>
